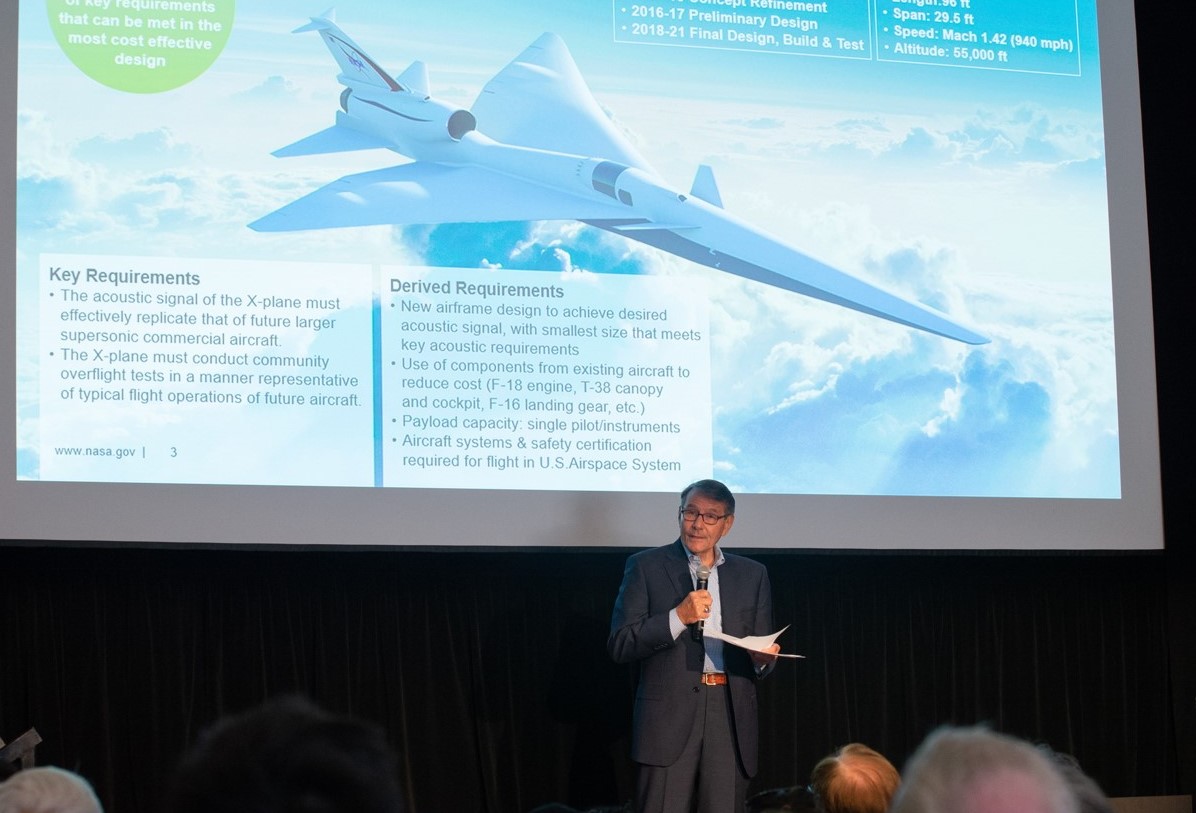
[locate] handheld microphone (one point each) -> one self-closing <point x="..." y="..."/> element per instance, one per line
<point x="703" y="581"/>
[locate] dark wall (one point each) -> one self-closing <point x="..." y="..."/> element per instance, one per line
<point x="1164" y="68"/>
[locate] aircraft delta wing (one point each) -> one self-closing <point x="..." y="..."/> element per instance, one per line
<point x="537" y="146"/>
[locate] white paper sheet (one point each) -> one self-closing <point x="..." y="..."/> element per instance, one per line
<point x="754" y="643"/>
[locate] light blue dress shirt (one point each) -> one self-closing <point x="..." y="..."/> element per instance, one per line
<point x="713" y="647"/>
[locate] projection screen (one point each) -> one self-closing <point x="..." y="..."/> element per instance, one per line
<point x="511" y="274"/>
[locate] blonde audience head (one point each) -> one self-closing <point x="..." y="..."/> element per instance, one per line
<point x="854" y="779"/>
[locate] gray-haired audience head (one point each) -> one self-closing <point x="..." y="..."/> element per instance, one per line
<point x="974" y="770"/>
<point x="47" y="790"/>
<point x="288" y="756"/>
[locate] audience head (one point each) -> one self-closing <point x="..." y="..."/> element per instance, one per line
<point x="288" y="756"/>
<point x="974" y="770"/>
<point x="854" y="779"/>
<point x="47" y="790"/>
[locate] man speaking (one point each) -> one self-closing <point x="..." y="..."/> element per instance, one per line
<point x="694" y="728"/>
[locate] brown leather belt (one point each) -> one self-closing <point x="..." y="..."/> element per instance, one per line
<point x="714" y="679"/>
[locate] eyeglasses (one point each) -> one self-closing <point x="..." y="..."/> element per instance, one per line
<point x="690" y="514"/>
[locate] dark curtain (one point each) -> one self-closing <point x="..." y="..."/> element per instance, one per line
<point x="489" y="673"/>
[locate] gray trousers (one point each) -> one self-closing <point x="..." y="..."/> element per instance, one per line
<point x="707" y="777"/>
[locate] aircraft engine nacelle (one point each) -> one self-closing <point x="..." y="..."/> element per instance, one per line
<point x="406" y="118"/>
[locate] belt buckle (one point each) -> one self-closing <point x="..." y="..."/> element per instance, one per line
<point x="714" y="679"/>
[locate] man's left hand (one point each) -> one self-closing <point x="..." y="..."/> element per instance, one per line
<point x="762" y="659"/>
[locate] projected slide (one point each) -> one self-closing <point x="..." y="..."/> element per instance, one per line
<point x="851" y="247"/>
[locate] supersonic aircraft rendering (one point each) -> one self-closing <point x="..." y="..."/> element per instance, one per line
<point x="536" y="146"/>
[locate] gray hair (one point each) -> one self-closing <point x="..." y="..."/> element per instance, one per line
<point x="47" y="790"/>
<point x="975" y="770"/>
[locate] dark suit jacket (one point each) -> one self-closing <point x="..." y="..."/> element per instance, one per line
<point x="667" y="688"/>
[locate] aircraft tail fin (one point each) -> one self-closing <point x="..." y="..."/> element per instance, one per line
<point x="705" y="188"/>
<point x="357" y="67"/>
<point x="316" y="23"/>
<point x="415" y="79"/>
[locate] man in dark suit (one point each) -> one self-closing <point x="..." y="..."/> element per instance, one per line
<point x="694" y="727"/>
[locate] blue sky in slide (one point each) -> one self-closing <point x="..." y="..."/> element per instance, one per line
<point x="980" y="192"/>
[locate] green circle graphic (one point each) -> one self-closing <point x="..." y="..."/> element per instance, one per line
<point x="142" y="46"/>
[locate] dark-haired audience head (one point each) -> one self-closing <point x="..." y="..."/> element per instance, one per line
<point x="288" y="756"/>
<point x="47" y="790"/>
<point x="712" y="489"/>
<point x="854" y="779"/>
<point x="975" y="770"/>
